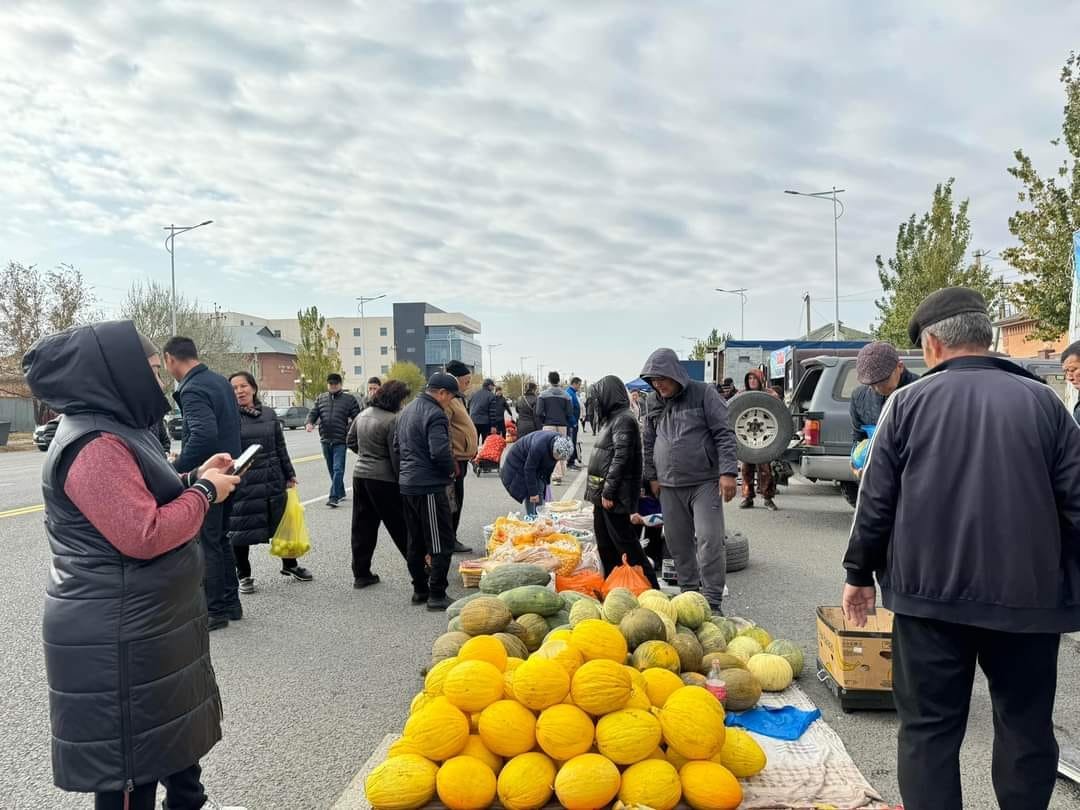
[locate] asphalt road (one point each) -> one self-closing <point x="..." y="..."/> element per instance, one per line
<point x="318" y="673"/>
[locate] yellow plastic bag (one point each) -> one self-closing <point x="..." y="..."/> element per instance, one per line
<point x="291" y="537"/>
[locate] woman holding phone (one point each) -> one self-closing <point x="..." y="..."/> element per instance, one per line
<point x="259" y="501"/>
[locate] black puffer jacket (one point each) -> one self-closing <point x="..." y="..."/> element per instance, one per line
<point x="483" y="409"/>
<point x="334" y="413"/>
<point x="422" y="442"/>
<point x="526" y="409"/>
<point x="616" y="459"/>
<point x="259" y="502"/>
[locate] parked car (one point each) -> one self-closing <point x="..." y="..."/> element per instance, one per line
<point x="174" y="423"/>
<point x="43" y="434"/>
<point x="292" y="418"/>
<point x="813" y="433"/>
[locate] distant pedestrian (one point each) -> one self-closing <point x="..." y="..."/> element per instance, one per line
<point x="427" y="469"/>
<point x="572" y="391"/>
<point x="766" y="482"/>
<point x="376" y="494"/>
<point x="464" y="441"/>
<point x="880" y="372"/>
<point x="691" y="466"/>
<point x="502" y="410"/>
<point x="373" y="384"/>
<point x="482" y="410"/>
<point x="556" y="414"/>
<point x="526" y="411"/>
<point x="1070" y="364"/>
<point x="259" y="502"/>
<point x="727" y="388"/>
<point x="334" y="412"/>
<point x="133" y="698"/>
<point x="969" y="515"/>
<point x="211" y="425"/>
<point x="614" y="483"/>
<point x="527" y="467"/>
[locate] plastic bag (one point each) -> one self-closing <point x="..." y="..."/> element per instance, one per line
<point x="583" y="580"/>
<point x="627" y="576"/>
<point x="291" y="537"/>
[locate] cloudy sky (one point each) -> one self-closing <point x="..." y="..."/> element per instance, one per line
<point x="577" y="175"/>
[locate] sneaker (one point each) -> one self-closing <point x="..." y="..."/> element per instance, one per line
<point x="747" y="503"/>
<point x="247" y="585"/>
<point x="299" y="573"/>
<point x="210" y="804"/>
<point x="235" y="614"/>
<point x="437" y="604"/>
<point x="217" y="622"/>
<point x="461" y="549"/>
<point x="332" y="503"/>
<point x="770" y="505"/>
<point x="365" y="581"/>
<point x="420" y="598"/>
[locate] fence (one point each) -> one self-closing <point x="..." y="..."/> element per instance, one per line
<point x="18" y="411"/>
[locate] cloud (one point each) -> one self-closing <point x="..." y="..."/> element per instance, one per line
<point x="609" y="162"/>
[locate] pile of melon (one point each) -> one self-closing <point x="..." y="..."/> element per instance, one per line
<point x="594" y="709"/>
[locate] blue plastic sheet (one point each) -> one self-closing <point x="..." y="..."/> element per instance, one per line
<point x="784" y="723"/>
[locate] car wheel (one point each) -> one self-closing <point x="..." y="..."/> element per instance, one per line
<point x="762" y="426"/>
<point x="850" y="491"/>
<point x="738" y="552"/>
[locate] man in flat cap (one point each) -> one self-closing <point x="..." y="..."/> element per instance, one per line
<point x="969" y="516"/>
<point x="880" y="371"/>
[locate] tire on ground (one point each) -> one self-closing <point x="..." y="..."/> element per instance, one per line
<point x="738" y="552"/>
<point x="762" y="424"/>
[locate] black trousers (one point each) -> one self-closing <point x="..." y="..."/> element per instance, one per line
<point x="572" y="432"/>
<point x="459" y="494"/>
<point x="220" y="582"/>
<point x="616" y="536"/>
<point x="933" y="670"/>
<point x="242" y="555"/>
<point x="183" y="791"/>
<point x="654" y="548"/>
<point x="375" y="503"/>
<point x="431" y="533"/>
<point x="483" y="430"/>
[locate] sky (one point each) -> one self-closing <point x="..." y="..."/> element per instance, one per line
<point x="579" y="176"/>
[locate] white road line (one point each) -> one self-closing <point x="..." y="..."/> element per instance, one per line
<point x="315" y="500"/>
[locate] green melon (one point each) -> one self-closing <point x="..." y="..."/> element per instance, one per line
<point x="690" y="652"/>
<point x="560" y="619"/>
<point x="448" y="645"/>
<point x="514" y="646"/>
<point x="744" y="647"/>
<point x="584" y="609"/>
<point x="536" y="627"/>
<point x="727" y="627"/>
<point x="455" y="608"/>
<point x="758" y="634"/>
<point x="726" y="660"/>
<point x="659" y="604"/>
<point x="454" y="625"/>
<point x="641" y="625"/>
<point x="485" y="615"/>
<point x="669" y="629"/>
<point x="532" y="599"/>
<point x="573" y="597"/>
<point x="693" y="679"/>
<point x="790" y="652"/>
<point x="618" y="603"/>
<point x="693" y="609"/>
<point x="513" y="575"/>
<point x="743" y="690"/>
<point x="711" y="637"/>
<point x="656" y="654"/>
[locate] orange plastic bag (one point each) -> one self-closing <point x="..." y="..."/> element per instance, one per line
<point x="627" y="576"/>
<point x="590" y="583"/>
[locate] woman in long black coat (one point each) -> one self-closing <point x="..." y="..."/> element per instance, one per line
<point x="259" y="501"/>
<point x="526" y="411"/>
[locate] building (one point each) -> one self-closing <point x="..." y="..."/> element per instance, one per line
<point x="417" y="332"/>
<point x="271" y="361"/>
<point x="1014" y="333"/>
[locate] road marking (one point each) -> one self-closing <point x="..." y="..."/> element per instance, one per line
<point x="306" y="459"/>
<point x="22" y="510"/>
<point x="314" y="500"/>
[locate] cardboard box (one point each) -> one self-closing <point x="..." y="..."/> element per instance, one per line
<point x="856" y="657"/>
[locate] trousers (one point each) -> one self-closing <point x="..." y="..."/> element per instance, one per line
<point x="617" y="536"/>
<point x="221" y="585"/>
<point x="183" y="791"/>
<point x="431" y="534"/>
<point x="375" y="503"/>
<point x="334" y="454"/>
<point x="694" y="531"/>
<point x="933" y="670"/>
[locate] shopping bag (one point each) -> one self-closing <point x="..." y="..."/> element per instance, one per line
<point x="291" y="536"/>
<point x="586" y="581"/>
<point x="627" y="576"/>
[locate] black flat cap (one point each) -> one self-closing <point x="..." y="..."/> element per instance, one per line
<point x="447" y="382"/>
<point x="457" y="368"/>
<point x="942" y="304"/>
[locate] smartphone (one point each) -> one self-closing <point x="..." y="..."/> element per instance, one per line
<point x="241" y="464"/>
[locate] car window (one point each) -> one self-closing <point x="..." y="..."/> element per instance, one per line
<point x="800" y="400"/>
<point x="848" y="382"/>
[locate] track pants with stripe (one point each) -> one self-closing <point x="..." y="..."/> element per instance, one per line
<point x="431" y="533"/>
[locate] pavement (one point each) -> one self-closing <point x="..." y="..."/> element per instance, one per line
<point x="317" y="674"/>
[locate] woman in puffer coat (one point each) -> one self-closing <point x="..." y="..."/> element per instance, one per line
<point x="526" y="411"/>
<point x="259" y="501"/>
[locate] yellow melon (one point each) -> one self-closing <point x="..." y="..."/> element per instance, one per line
<point x="474" y="685"/>
<point x="540" y="682"/>
<point x="709" y="786"/>
<point x="420" y="701"/>
<point x="508" y="728"/>
<point x="639" y="693"/>
<point x="741" y="754"/>
<point x="562" y="652"/>
<point x="465" y="783"/>
<point x="433" y="683"/>
<point x="596" y="639"/>
<point x="564" y="732"/>
<point x="628" y="736"/>
<point x="403" y="745"/>
<point x="653" y="783"/>
<point x="475" y="748"/>
<point x="526" y="782"/>
<point x="587" y="782"/>
<point x="601" y="686"/>
<point x="675" y="758"/>
<point x="660" y="684"/>
<point x="484" y="648"/>
<point x="405" y="782"/>
<point x="439" y="730"/>
<point x="693" y="722"/>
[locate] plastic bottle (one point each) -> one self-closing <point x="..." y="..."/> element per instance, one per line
<point x="715" y="683"/>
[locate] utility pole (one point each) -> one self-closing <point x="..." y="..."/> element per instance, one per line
<point x="491" y="363"/>
<point x="806" y="299"/>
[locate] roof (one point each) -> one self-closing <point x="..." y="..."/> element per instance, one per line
<point x="1012" y="320"/>
<point x="772" y="345"/>
<point x="246" y="339"/>
<point x="846" y="333"/>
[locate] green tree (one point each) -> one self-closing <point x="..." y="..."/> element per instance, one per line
<point x="930" y="253"/>
<point x="410" y="374"/>
<point x="513" y="384"/>
<point x="1045" y="229"/>
<point x="316" y="353"/>
<point x="701" y="347"/>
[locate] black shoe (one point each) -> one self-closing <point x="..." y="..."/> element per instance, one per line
<point x="420" y="598"/>
<point x="332" y="503"/>
<point x="438" y="604"/>
<point x="461" y="549"/>
<point x="770" y="505"/>
<point x="235" y="614"/>
<point x="298" y="573"/>
<point x="363" y="582"/>
<point x="717" y="609"/>
<point x="217" y="622"/>
<point x="747" y="503"/>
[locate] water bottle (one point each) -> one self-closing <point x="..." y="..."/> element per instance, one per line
<point x="715" y="683"/>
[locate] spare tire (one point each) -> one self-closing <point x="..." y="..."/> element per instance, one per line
<point x="737" y="548"/>
<point x="762" y="424"/>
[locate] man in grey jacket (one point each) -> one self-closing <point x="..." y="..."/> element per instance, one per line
<point x="555" y="413"/>
<point x="969" y="516"/>
<point x="690" y="465"/>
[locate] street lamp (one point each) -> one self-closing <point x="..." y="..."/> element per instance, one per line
<point x="491" y="363"/>
<point x="363" y="337"/>
<point x="169" y="246"/>
<point x="741" y="292"/>
<point x="838" y="211"/>
<point x="524" y="357"/>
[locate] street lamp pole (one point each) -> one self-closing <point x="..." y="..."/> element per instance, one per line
<point x="174" y="231"/>
<point x="363" y="336"/>
<point x="741" y="292"/>
<point x="524" y="357"/>
<point x="838" y="211"/>
<point x="491" y="363"/>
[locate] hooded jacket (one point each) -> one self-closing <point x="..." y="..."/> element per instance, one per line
<point x="259" y="502"/>
<point x="965" y="518"/>
<point x="615" y="463"/>
<point x="688" y="440"/>
<point x="334" y="411"/>
<point x="763" y="384"/>
<point x="132" y="693"/>
<point x="527" y="467"/>
<point x="526" y="411"/>
<point x="554" y="409"/>
<point x="575" y="404"/>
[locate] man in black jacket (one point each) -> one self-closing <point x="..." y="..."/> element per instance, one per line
<point x="969" y="515"/>
<point x="426" y="473"/>
<point x="880" y="371"/>
<point x="482" y="410"/>
<point x="334" y="412"/>
<point x="211" y="425"/>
